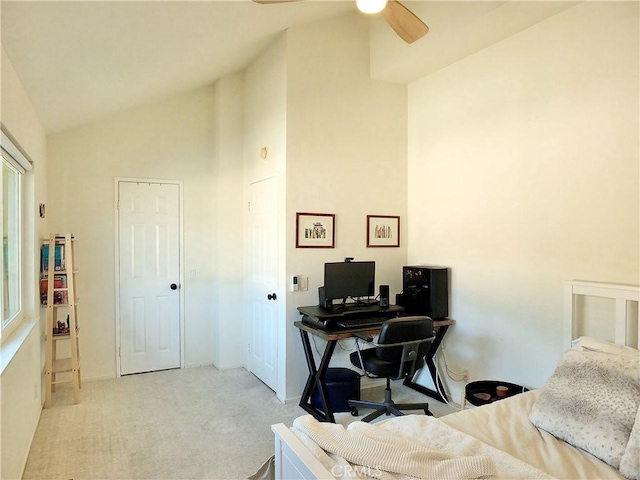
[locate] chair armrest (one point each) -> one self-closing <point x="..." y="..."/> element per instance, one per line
<point x="364" y="336"/>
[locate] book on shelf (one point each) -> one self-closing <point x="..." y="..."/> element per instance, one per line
<point x="59" y="297"/>
<point x="58" y="258"/>
<point x="59" y="282"/>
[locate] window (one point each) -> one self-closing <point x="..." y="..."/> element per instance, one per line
<point x="14" y="166"/>
<point x="11" y="257"/>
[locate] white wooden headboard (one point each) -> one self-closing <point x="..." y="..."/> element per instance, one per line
<point x="623" y="295"/>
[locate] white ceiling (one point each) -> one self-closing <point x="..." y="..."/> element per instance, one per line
<point x="82" y="60"/>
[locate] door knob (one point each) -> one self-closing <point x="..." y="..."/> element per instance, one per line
<point x="272" y="296"/>
<point x="174" y="286"/>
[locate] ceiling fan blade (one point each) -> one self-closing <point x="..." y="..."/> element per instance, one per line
<point x="404" y="22"/>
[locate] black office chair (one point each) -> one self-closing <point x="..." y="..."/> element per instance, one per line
<point x="402" y="341"/>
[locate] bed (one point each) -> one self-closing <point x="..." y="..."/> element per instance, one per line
<point x="562" y="430"/>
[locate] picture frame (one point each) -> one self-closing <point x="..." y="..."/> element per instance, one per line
<point x="383" y="231"/>
<point x="315" y="230"/>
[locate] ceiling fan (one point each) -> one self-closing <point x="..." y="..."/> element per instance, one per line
<point x="402" y="20"/>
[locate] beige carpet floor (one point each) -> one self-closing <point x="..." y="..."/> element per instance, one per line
<point x="195" y="423"/>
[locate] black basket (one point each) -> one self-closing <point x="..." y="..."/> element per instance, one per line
<point x="483" y="392"/>
<point x="343" y="384"/>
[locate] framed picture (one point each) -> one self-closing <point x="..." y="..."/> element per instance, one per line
<point x="383" y="231"/>
<point x="315" y="230"/>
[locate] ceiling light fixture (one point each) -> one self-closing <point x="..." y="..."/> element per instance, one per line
<point x="371" y="6"/>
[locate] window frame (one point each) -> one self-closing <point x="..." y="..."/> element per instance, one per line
<point x="15" y="158"/>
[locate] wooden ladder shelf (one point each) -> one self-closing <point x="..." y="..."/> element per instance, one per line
<point x="58" y="294"/>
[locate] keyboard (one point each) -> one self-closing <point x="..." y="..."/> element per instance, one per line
<point x="361" y="322"/>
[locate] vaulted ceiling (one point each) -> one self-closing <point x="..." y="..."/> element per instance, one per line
<point x="81" y="60"/>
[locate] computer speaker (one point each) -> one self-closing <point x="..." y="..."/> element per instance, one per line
<point x="323" y="302"/>
<point x="384" y="296"/>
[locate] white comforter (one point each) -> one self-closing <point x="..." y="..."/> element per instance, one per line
<point x="402" y="449"/>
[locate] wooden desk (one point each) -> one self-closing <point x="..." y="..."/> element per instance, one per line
<point x="317" y="372"/>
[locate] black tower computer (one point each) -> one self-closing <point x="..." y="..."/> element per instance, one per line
<point x="425" y="291"/>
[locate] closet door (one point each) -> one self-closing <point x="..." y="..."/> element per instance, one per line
<point x="263" y="297"/>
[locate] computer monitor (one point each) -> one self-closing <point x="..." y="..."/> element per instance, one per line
<point x="349" y="279"/>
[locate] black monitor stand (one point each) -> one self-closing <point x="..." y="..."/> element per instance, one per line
<point x="328" y="318"/>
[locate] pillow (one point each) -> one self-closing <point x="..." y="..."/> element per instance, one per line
<point x="591" y="401"/>
<point x="630" y="463"/>
<point x="588" y="343"/>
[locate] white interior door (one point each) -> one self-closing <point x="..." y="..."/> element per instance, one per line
<point x="263" y="295"/>
<point x="149" y="278"/>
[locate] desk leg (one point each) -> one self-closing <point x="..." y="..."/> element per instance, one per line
<point x="429" y="360"/>
<point x="316" y="379"/>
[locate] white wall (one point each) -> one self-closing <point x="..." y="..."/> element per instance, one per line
<point x="346" y="155"/>
<point x="226" y="246"/>
<point x="523" y="172"/>
<point x="171" y="139"/>
<point x="22" y="377"/>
